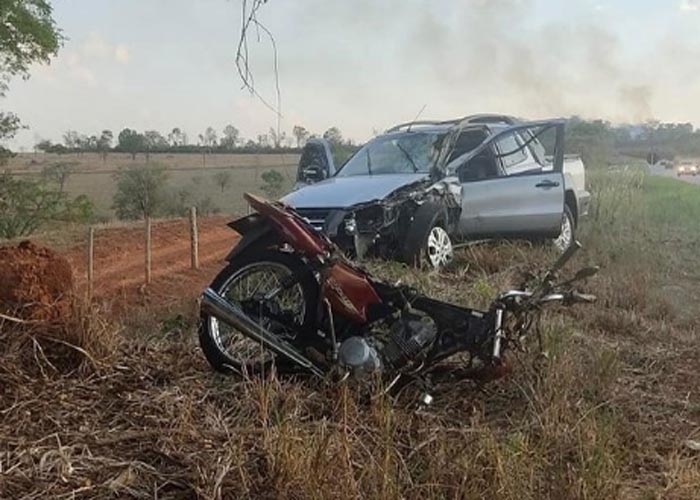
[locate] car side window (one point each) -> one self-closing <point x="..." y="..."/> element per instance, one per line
<point x="510" y="151"/>
<point x="481" y="167"/>
<point x="513" y="153"/>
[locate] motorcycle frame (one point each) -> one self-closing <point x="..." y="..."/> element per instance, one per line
<point x="348" y="291"/>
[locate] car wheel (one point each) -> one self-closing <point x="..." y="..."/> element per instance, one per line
<point x="427" y="241"/>
<point x="567" y="231"/>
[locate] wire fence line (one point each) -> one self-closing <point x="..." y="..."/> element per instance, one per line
<point x="162" y="242"/>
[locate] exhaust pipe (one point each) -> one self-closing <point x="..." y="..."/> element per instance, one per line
<point x="223" y="310"/>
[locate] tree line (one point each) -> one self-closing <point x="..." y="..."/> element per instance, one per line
<point x="178" y="141"/>
<point x="599" y="141"/>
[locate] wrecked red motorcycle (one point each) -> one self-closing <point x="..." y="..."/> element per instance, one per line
<point x="289" y="296"/>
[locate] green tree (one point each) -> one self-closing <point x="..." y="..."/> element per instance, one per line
<point x="273" y="182"/>
<point x="104" y="144"/>
<point x="153" y="141"/>
<point x="177" y="137"/>
<point x="334" y="136"/>
<point x="277" y="137"/>
<point x="222" y="179"/>
<point x="28" y="34"/>
<point x="208" y="138"/>
<point x="141" y="191"/>
<point x="44" y="145"/>
<point x="71" y="139"/>
<point x="131" y="142"/>
<point x="300" y="134"/>
<point x="9" y="125"/>
<point x="593" y="140"/>
<point x="231" y="137"/>
<point x="26" y="204"/>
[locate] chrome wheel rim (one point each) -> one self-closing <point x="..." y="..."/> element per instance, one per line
<point x="439" y="247"/>
<point x="566" y="234"/>
<point x="257" y="278"/>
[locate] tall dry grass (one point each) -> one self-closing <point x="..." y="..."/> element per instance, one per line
<point x="605" y="416"/>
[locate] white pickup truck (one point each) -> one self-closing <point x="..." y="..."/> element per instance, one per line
<point x="420" y="187"/>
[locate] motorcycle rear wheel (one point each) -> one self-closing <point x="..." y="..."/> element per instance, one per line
<point x="228" y="350"/>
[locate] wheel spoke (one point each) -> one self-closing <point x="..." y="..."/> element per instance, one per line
<point x="259" y="278"/>
<point x="439" y="247"/>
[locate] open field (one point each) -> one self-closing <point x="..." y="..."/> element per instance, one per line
<point x="95" y="178"/>
<point x="93" y="162"/>
<point x="608" y="415"/>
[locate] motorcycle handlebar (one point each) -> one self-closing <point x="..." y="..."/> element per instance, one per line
<point x="520" y="298"/>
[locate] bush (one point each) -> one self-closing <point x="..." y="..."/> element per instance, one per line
<point x="141" y="191"/>
<point x="26" y="204"/>
<point x="273" y="183"/>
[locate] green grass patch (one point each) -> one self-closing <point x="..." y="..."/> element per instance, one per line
<point x="672" y="204"/>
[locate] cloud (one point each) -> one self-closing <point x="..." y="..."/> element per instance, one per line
<point x="84" y="75"/>
<point x="96" y="47"/>
<point x="690" y="5"/>
<point x="121" y="54"/>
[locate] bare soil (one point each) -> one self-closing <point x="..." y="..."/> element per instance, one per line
<point x="119" y="267"/>
<point x="35" y="282"/>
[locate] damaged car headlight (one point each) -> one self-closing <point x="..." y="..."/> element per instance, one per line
<point x="370" y="219"/>
<point x="351" y="225"/>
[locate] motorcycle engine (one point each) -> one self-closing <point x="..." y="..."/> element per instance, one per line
<point x="406" y="340"/>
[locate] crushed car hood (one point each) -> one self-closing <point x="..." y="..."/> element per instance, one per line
<point x="343" y="192"/>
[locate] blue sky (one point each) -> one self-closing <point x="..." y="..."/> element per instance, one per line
<point x="362" y="64"/>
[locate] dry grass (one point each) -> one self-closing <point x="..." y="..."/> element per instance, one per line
<point x="93" y="162"/>
<point x="606" y="416"/>
<point x="95" y="178"/>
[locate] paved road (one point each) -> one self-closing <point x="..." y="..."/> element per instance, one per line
<point x="672" y="173"/>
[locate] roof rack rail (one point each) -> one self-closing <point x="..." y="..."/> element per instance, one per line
<point x="483" y="118"/>
<point x="419" y="123"/>
<point x="491" y="118"/>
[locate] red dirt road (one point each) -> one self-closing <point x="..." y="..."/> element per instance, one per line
<point x="119" y="261"/>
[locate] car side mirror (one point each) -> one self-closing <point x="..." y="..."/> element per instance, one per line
<point x="312" y="173"/>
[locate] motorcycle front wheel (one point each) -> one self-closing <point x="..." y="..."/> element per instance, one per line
<point x="240" y="282"/>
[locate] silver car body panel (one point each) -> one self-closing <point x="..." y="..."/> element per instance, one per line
<point x="526" y="200"/>
<point x="343" y="192"/>
<point x="517" y="205"/>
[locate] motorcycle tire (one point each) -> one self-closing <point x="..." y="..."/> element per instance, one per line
<point x="209" y="339"/>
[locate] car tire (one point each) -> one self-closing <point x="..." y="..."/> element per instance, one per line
<point x="567" y="234"/>
<point x="427" y="242"/>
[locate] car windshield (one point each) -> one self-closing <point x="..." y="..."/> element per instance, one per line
<point x="412" y="152"/>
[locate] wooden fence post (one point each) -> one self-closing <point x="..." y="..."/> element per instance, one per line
<point x="148" y="250"/>
<point x="194" y="238"/>
<point x="91" y="262"/>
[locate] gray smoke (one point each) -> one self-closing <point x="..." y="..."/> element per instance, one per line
<point x="384" y="60"/>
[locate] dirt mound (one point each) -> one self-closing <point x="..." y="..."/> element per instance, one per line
<point x="36" y="284"/>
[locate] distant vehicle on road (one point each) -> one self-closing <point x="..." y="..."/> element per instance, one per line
<point x="412" y="191"/>
<point x="687" y="168"/>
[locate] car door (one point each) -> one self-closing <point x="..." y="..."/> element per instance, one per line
<point x="315" y="163"/>
<point x="518" y="197"/>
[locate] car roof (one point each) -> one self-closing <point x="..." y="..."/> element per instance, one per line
<point x="480" y="119"/>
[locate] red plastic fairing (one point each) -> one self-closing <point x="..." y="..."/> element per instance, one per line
<point x="293" y="232"/>
<point x="349" y="292"/>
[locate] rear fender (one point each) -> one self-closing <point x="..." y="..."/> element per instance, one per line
<point x="256" y="232"/>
